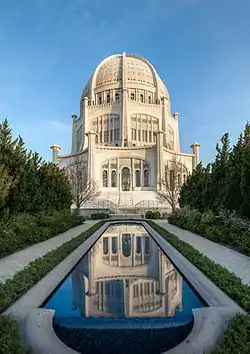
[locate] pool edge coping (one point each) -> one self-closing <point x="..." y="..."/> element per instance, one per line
<point x="32" y="299"/>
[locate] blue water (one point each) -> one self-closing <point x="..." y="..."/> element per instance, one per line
<point x="125" y="280"/>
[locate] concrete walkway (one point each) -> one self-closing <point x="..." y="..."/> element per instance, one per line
<point x="232" y="260"/>
<point x="17" y="261"/>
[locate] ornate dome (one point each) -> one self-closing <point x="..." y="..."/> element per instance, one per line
<point x="110" y="71"/>
<point x="137" y="72"/>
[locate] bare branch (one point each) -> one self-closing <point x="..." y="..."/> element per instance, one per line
<point x="83" y="189"/>
<point x="171" y="183"/>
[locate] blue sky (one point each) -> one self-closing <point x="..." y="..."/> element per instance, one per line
<point x="49" y="49"/>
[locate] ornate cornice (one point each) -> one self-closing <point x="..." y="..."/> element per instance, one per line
<point x="104" y="105"/>
<point x="177" y="153"/>
<point x="124" y="148"/>
<point x="73" y="155"/>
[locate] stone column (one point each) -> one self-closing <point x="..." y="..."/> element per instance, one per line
<point x="109" y="174"/>
<point x="196" y="152"/>
<point x="165" y="115"/>
<point x="91" y="144"/>
<point x="119" y="249"/>
<point x="132" y="174"/>
<point x="55" y="149"/>
<point x="142" y="249"/>
<point x="92" y="282"/>
<point x="118" y="174"/>
<point x="161" y="273"/>
<point x="159" y="156"/>
<point x="141" y="168"/>
<point x="130" y="299"/>
<point x="133" y="249"/>
<point x="124" y="126"/>
<point x="110" y="248"/>
<point x="176" y="132"/>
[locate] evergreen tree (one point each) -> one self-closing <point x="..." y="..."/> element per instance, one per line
<point x="233" y="192"/>
<point x="219" y="173"/>
<point x="28" y="184"/>
<point x="245" y="173"/>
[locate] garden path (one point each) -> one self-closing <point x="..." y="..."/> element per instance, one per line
<point x="17" y="261"/>
<point x="230" y="259"/>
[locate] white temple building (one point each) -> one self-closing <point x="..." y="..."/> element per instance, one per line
<point x="126" y="133"/>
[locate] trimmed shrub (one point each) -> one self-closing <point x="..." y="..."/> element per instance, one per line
<point x="225" y="227"/>
<point x="22" y="230"/>
<point x="153" y="215"/>
<point x="10" y="340"/>
<point x="22" y="281"/>
<point x="99" y="216"/>
<point x="236" y="338"/>
<point x="223" y="278"/>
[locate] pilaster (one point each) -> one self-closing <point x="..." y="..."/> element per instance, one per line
<point x="91" y="143"/>
<point x="126" y="131"/>
<point x="164" y="118"/>
<point x="159" y="157"/>
<point x="85" y="122"/>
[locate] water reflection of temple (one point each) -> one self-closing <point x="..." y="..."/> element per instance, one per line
<point x="126" y="274"/>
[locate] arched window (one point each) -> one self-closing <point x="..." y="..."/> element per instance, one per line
<point x="132" y="96"/>
<point x="184" y="178"/>
<point x="137" y="178"/>
<point x="149" y="99"/>
<point x="105" y="178"/>
<point x="105" y="245"/>
<point x="114" y="245"/>
<point x="100" y="100"/>
<point x="138" y="244"/>
<point x="108" y="98"/>
<point x="146" y="245"/>
<point x="117" y="96"/>
<point x="179" y="180"/>
<point x="141" y="97"/>
<point x="146" y="182"/>
<point x="113" y="178"/>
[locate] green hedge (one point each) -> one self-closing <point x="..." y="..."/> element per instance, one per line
<point x="153" y="215"/>
<point x="225" y="227"/>
<point x="10" y="341"/>
<point x="22" y="281"/>
<point x="99" y="216"/>
<point x="223" y="278"/>
<point x="22" y="230"/>
<point x="236" y="339"/>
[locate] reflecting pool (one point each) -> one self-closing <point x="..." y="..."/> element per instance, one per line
<point x="125" y="285"/>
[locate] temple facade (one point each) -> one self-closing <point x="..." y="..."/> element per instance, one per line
<point x="126" y="133"/>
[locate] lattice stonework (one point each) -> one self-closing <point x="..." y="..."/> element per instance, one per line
<point x="111" y="71"/>
<point x="139" y="71"/>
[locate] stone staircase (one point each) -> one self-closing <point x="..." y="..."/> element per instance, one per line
<point x="126" y="200"/>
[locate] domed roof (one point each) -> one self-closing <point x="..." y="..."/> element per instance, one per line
<point x="136" y="70"/>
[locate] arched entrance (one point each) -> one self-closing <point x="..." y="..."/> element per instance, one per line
<point x="126" y="179"/>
